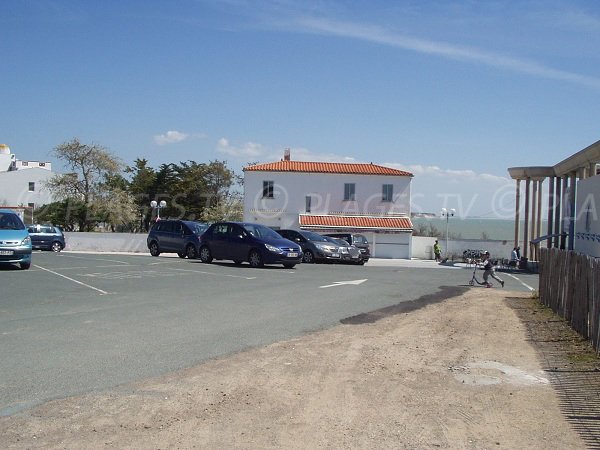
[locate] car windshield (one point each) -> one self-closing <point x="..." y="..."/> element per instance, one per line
<point x="9" y="221"/>
<point x="360" y="239"/>
<point x="198" y="228"/>
<point x="260" y="231"/>
<point x="341" y="242"/>
<point x="335" y="241"/>
<point x="313" y="236"/>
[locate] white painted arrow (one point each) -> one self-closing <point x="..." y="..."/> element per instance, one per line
<point x="342" y="283"/>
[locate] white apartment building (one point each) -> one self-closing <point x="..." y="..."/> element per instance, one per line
<point x="369" y="199"/>
<point x="22" y="182"/>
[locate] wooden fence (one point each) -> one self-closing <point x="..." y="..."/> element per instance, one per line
<point x="570" y="285"/>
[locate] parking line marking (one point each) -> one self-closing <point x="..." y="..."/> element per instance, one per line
<point x="73" y="280"/>
<point x="97" y="259"/>
<point x="522" y="282"/>
<point x="213" y="273"/>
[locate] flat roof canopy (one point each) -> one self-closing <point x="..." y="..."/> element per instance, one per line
<point x="584" y="158"/>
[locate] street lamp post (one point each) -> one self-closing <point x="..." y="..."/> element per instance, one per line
<point x="447" y="213"/>
<point x="158" y="206"/>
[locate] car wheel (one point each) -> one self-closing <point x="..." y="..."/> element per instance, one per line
<point x="181" y="254"/>
<point x="361" y="262"/>
<point x="191" y="252"/>
<point x="25" y="265"/>
<point x="154" y="250"/>
<point x="308" y="257"/>
<point x="205" y="255"/>
<point x="289" y="266"/>
<point x="56" y="247"/>
<point x="255" y="259"/>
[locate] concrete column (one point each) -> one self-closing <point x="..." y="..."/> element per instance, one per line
<point x="573" y="188"/>
<point x="565" y="201"/>
<point x="592" y="170"/>
<point x="538" y="232"/>
<point x="557" y="210"/>
<point x="517" y="213"/>
<point x="526" y="224"/>
<point x="550" y="211"/>
<point x="534" y="215"/>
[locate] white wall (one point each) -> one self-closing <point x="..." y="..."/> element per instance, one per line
<point x="14" y="187"/>
<point x="390" y="245"/>
<point x="422" y="247"/>
<point x="587" y="220"/>
<point x="327" y="192"/>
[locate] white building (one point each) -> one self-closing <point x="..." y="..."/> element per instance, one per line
<point x="22" y="183"/>
<point x="587" y="224"/>
<point x="363" y="198"/>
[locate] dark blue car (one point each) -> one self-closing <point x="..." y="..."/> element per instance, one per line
<point x="241" y="241"/>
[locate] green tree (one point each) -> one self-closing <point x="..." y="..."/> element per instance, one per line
<point x="116" y="206"/>
<point x="63" y="213"/>
<point x="142" y="189"/>
<point x="91" y="165"/>
<point x="231" y="207"/>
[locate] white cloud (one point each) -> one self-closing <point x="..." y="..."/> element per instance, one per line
<point x="449" y="174"/>
<point x="303" y="154"/>
<point x="170" y="137"/>
<point x="382" y="36"/>
<point x="247" y="150"/>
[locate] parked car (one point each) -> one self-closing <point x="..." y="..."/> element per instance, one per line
<point x="176" y="236"/>
<point x="241" y="241"/>
<point x="15" y="243"/>
<point x="314" y="246"/>
<point x="358" y="240"/>
<point x="348" y="252"/>
<point x="46" y="237"/>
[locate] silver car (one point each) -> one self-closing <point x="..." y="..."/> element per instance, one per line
<point x="348" y="252"/>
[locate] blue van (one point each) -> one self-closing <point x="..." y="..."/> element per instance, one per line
<point x="243" y="241"/>
<point x="175" y="236"/>
<point x="15" y="243"/>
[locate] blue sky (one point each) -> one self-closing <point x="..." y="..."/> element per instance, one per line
<point x="455" y="92"/>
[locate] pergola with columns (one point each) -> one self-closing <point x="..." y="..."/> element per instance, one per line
<point x="561" y="195"/>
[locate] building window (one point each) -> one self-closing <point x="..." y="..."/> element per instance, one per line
<point x="267" y="189"/>
<point x="308" y="200"/>
<point x="388" y="193"/>
<point x="349" y="192"/>
<point x="31" y="186"/>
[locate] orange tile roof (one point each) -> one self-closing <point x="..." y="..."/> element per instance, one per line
<point x="362" y="222"/>
<point x="326" y="167"/>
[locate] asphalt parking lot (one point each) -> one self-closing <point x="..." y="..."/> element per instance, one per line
<point x="78" y="322"/>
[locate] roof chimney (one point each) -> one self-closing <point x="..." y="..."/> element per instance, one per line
<point x="286" y="154"/>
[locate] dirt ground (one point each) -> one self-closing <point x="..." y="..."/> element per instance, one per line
<point x="461" y="373"/>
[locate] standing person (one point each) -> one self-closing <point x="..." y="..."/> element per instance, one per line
<point x="488" y="267"/>
<point x="514" y="258"/>
<point x="437" y="251"/>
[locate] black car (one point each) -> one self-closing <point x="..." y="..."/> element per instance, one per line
<point x="358" y="240"/>
<point x="314" y="246"/>
<point x="241" y="241"/>
<point x="176" y="236"/>
<point x="46" y="237"/>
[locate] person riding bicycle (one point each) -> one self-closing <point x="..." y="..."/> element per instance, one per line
<point x="488" y="267"/>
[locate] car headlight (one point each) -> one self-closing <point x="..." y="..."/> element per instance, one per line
<point x="273" y="249"/>
<point x="326" y="248"/>
<point x="343" y="250"/>
<point x="26" y="241"/>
